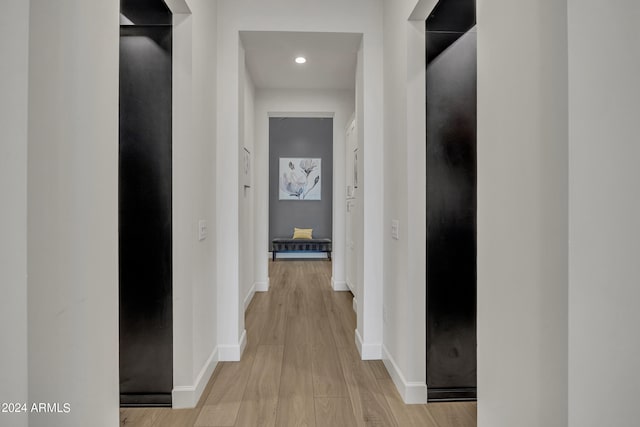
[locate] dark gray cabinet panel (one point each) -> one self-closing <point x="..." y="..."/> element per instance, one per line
<point x="146" y="12"/>
<point x="448" y="21"/>
<point x="451" y="220"/>
<point x="145" y="242"/>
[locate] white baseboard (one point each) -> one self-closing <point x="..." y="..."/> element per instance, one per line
<point x="350" y="286"/>
<point x="249" y="296"/>
<point x="188" y="396"/>
<point x="411" y="392"/>
<point x="358" y="342"/>
<point x="368" y="351"/>
<point x="233" y="352"/>
<point x="261" y="286"/>
<point x="339" y="286"/>
<point x="355" y="300"/>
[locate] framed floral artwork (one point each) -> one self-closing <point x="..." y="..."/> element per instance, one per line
<point x="300" y="178"/>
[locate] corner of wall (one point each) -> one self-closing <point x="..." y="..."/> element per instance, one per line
<point x="233" y="352"/>
<point x="404" y="299"/>
<point x="339" y="285"/>
<point x="262" y="286"/>
<point x="367" y="351"/>
<point x="72" y="292"/>
<point x="249" y="296"/>
<point x="188" y="396"/>
<point x="411" y="392"/>
<point x="195" y="311"/>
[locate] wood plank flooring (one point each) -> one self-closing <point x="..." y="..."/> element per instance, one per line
<point x="301" y="368"/>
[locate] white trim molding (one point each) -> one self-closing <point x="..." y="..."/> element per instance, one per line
<point x="413" y="392"/>
<point x="249" y="296"/>
<point x="339" y="286"/>
<point x="233" y="352"/>
<point x="354" y="305"/>
<point x="188" y="396"/>
<point x="261" y="286"/>
<point x="368" y="351"/>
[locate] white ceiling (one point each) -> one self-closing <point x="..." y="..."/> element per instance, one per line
<point x="331" y="59"/>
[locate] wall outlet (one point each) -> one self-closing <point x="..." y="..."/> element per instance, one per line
<point x="202" y="229"/>
<point x="395" y="229"/>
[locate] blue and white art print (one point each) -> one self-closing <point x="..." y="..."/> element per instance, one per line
<point x="300" y="178"/>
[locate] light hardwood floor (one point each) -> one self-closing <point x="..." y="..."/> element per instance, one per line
<point x="301" y="368"/>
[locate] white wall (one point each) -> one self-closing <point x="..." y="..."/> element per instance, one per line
<point x="194" y="131"/>
<point x="404" y="309"/>
<point x="73" y="215"/>
<point x="604" y="207"/>
<point x="183" y="240"/>
<point x="361" y="16"/>
<point x="297" y="103"/>
<point x="552" y="351"/>
<point x="14" y="48"/>
<point x="350" y="250"/>
<point x="522" y="213"/>
<point x="231" y="332"/>
<point x="73" y="211"/>
<point x="247" y="211"/>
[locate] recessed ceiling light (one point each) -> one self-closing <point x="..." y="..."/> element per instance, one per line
<point x="301" y="60"/>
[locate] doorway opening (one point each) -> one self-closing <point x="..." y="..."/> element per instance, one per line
<point x="315" y="101"/>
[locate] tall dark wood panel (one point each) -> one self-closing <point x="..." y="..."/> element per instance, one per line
<point x="451" y="203"/>
<point x="145" y="238"/>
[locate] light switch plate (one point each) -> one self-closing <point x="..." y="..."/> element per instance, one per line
<point x="202" y="229"/>
<point x="395" y="229"/>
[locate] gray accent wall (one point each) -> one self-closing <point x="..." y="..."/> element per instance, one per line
<point x="300" y="137"/>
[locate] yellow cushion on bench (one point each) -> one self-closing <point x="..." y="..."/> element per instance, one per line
<point x="302" y="233"/>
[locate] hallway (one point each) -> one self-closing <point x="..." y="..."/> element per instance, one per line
<point x="301" y="368"/>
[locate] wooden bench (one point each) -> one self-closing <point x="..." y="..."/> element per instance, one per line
<point x="300" y="245"/>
